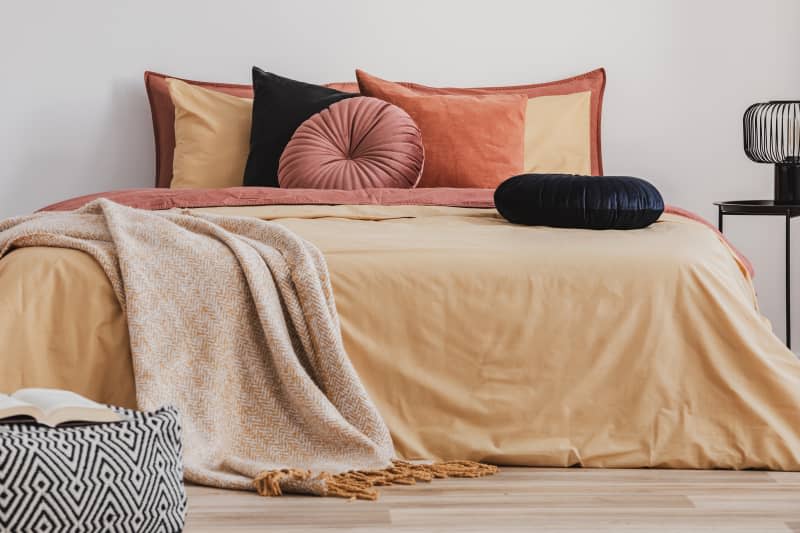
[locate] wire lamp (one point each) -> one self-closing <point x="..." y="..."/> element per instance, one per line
<point x="772" y="135"/>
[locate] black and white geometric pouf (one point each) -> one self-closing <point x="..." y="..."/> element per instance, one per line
<point x="123" y="476"/>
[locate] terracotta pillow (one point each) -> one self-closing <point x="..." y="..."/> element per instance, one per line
<point x="355" y="143"/>
<point x="163" y="114"/>
<point x="562" y="131"/>
<point x="212" y="137"/>
<point x="470" y="140"/>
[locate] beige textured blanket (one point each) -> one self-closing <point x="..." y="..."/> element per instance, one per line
<point x="233" y="321"/>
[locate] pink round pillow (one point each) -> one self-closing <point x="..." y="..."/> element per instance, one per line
<point x="355" y="143"/>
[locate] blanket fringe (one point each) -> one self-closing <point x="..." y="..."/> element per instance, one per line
<point x="268" y="483"/>
<point x="360" y="484"/>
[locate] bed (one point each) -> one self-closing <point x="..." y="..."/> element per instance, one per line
<point x="477" y="339"/>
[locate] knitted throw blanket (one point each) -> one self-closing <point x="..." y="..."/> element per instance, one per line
<point x="232" y="320"/>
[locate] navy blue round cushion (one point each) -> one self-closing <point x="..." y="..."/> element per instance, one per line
<point x="570" y="201"/>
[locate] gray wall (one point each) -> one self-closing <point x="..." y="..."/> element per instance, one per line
<point x="74" y="118"/>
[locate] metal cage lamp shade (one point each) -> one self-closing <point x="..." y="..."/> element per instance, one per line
<point x="772" y="135"/>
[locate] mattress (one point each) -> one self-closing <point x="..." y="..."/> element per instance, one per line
<point x="478" y="339"/>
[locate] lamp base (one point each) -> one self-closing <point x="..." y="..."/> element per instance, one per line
<point x="787" y="183"/>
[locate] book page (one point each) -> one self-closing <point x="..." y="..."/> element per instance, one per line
<point x="59" y="406"/>
<point x="11" y="407"/>
<point x="49" y="400"/>
<point x="7" y="402"/>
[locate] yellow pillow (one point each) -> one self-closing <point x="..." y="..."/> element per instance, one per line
<point x="558" y="134"/>
<point x="212" y="137"/>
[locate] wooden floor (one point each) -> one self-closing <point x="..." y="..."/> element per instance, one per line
<point x="526" y="499"/>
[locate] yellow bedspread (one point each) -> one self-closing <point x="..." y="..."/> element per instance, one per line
<point x="482" y="340"/>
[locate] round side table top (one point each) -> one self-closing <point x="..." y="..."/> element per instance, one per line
<point x="758" y="207"/>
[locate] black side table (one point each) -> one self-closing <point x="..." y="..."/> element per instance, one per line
<point x="768" y="207"/>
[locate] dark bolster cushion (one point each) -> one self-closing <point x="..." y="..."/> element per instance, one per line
<point x="570" y="201"/>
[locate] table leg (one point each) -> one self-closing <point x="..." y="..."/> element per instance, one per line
<point x="788" y="281"/>
<point x="719" y="223"/>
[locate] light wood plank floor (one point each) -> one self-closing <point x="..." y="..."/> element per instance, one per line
<point x="526" y="499"/>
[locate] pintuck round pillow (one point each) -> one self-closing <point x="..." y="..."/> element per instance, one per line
<point x="571" y="201"/>
<point x="355" y="143"/>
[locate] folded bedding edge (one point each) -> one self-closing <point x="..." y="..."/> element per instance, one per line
<point x="156" y="199"/>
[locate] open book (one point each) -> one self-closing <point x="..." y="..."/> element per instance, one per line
<point x="52" y="407"/>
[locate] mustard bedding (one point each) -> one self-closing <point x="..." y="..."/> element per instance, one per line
<point x="482" y="340"/>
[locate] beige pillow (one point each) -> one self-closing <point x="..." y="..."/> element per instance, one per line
<point x="558" y="134"/>
<point x="212" y="137"/>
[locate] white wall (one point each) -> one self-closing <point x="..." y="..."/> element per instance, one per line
<point x="74" y="118"/>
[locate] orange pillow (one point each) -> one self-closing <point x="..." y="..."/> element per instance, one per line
<point x="562" y="124"/>
<point x="470" y="140"/>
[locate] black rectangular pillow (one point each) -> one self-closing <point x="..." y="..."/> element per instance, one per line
<point x="280" y="106"/>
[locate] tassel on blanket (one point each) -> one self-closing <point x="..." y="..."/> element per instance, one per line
<point x="268" y="483"/>
<point x="361" y="484"/>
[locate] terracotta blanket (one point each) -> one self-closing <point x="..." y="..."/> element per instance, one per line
<point x="233" y="321"/>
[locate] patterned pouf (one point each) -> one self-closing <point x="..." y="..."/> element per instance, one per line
<point x="123" y="476"/>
